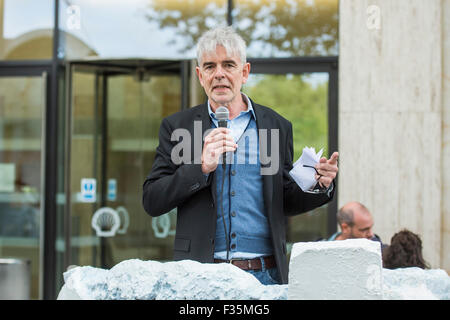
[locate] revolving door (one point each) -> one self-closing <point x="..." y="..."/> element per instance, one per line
<point x="114" y="109"/>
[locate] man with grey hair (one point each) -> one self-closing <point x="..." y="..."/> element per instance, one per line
<point x="234" y="212"/>
<point x="355" y="221"/>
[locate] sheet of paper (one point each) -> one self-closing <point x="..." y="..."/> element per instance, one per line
<point x="304" y="176"/>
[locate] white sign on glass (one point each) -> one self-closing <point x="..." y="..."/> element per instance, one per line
<point x="105" y="222"/>
<point x="112" y="190"/>
<point x="88" y="190"/>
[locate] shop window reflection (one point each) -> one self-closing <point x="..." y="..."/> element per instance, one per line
<point x="270" y="28"/>
<point x="136" y="28"/>
<point x="303" y="99"/>
<point x="187" y="19"/>
<point x="21" y="129"/>
<point x="171" y="29"/>
<point x="26" y="29"/>
<point x="285" y="28"/>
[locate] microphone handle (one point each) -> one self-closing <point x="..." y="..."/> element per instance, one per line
<point x="223" y="124"/>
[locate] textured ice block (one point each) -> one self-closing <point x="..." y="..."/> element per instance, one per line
<point x="136" y="279"/>
<point x="336" y="270"/>
<point x="416" y="284"/>
<point x="153" y="280"/>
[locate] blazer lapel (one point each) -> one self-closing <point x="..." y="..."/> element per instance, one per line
<point x="263" y="122"/>
<point x="204" y="117"/>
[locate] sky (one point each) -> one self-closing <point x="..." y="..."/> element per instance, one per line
<point x="115" y="36"/>
<point x="21" y="16"/>
<point x="124" y="31"/>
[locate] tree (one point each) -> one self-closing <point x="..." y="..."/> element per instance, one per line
<point x="271" y="28"/>
<point x="298" y="100"/>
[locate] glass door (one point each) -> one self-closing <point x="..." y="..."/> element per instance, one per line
<point x="115" y="113"/>
<point x="22" y="151"/>
<point x="135" y="111"/>
<point x="304" y="91"/>
<point x="303" y="99"/>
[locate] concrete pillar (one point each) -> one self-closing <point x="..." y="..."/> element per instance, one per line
<point x="335" y="270"/>
<point x="445" y="249"/>
<point x="2" y="37"/>
<point x="390" y="115"/>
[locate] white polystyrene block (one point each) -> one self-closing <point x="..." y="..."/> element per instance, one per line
<point x="67" y="294"/>
<point x="414" y="283"/>
<point x="136" y="279"/>
<point x="175" y="280"/>
<point x="335" y="270"/>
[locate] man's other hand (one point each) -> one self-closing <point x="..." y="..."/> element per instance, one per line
<point x="327" y="169"/>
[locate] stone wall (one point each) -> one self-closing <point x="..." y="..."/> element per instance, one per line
<point x="445" y="249"/>
<point x="393" y="117"/>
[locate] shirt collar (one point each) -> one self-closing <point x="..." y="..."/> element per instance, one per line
<point x="249" y="108"/>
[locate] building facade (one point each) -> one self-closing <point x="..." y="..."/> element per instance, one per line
<point x="84" y="86"/>
<point x="394" y="104"/>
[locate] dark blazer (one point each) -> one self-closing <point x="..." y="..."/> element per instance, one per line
<point x="184" y="186"/>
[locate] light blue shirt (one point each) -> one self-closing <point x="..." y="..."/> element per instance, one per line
<point x="237" y="126"/>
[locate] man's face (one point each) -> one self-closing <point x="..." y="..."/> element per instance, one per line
<point x="363" y="224"/>
<point x="222" y="76"/>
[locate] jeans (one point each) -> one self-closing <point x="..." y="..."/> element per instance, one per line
<point x="266" y="276"/>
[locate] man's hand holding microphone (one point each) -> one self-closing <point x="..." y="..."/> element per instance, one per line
<point x="217" y="142"/>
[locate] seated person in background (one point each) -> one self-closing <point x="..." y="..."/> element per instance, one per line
<point x="355" y="221"/>
<point x="404" y="251"/>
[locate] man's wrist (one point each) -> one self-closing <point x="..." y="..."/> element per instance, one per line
<point x="321" y="190"/>
<point x="205" y="169"/>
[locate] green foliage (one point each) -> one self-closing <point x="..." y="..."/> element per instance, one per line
<point x="296" y="99"/>
<point x="281" y="27"/>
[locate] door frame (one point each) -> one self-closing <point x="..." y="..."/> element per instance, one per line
<point x="55" y="109"/>
<point x="292" y="65"/>
<point x="108" y="68"/>
<point x="298" y="65"/>
<point x="47" y="237"/>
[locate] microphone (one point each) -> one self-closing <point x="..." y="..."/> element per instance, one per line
<point x="222" y="115"/>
